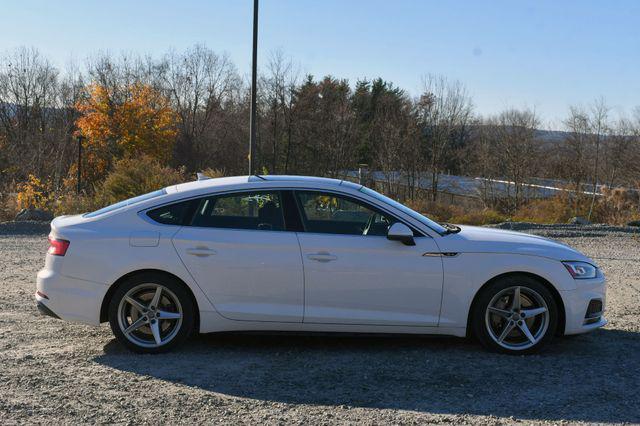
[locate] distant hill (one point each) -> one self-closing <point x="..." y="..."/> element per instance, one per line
<point x="552" y="136"/>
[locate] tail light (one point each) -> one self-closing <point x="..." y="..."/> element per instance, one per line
<point x="58" y="247"/>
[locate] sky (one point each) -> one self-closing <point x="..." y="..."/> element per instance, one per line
<point x="543" y="55"/>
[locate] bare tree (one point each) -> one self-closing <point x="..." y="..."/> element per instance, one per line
<point x="29" y="107"/>
<point x="599" y="129"/>
<point x="575" y="151"/>
<point x="517" y="150"/>
<point x="277" y="90"/>
<point x="199" y="83"/>
<point x="444" y="112"/>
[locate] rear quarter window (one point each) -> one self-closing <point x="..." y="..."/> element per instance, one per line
<point x="172" y="214"/>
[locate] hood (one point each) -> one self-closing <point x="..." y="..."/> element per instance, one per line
<point x="474" y="239"/>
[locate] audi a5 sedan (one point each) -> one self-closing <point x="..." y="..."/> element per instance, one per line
<point x="305" y="254"/>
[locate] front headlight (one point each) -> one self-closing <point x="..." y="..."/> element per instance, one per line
<point x="581" y="270"/>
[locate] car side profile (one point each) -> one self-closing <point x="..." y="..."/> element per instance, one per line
<point x="305" y="254"/>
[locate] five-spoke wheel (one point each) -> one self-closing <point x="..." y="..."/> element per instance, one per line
<point x="151" y="312"/>
<point x="515" y="314"/>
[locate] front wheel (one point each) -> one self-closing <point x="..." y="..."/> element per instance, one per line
<point x="515" y="315"/>
<point x="151" y="313"/>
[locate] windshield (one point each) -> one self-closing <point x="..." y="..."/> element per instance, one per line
<point x="414" y="214"/>
<point x="127" y="202"/>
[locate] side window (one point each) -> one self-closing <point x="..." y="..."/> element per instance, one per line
<point x="334" y="214"/>
<point x="172" y="214"/>
<point x="247" y="210"/>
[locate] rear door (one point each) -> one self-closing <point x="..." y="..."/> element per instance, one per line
<point x="238" y="250"/>
<point x="355" y="275"/>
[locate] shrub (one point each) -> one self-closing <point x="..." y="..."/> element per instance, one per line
<point x="438" y="211"/>
<point x="558" y="209"/>
<point x="479" y="217"/>
<point x="212" y="173"/>
<point x="71" y="203"/>
<point x="617" y="206"/>
<point x="8" y="207"/>
<point x="34" y="194"/>
<point x="136" y="176"/>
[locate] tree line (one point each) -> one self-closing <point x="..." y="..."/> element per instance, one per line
<point x="189" y="110"/>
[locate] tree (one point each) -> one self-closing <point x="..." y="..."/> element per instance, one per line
<point x="575" y="152"/>
<point x="36" y="116"/>
<point x="516" y="150"/>
<point x="599" y="128"/>
<point x="323" y="128"/>
<point x="139" y="122"/>
<point x="444" y="112"/>
<point x="277" y="93"/>
<point x="202" y="87"/>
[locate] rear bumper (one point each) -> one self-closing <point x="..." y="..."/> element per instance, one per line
<point x="42" y="308"/>
<point x="576" y="303"/>
<point x="69" y="298"/>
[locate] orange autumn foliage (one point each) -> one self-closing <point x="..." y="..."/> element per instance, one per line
<point x="134" y="122"/>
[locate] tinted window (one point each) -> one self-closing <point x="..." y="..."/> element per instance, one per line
<point x="247" y="210"/>
<point x="333" y="214"/>
<point x="414" y="214"/>
<point x="172" y="214"/>
<point x="128" y="202"/>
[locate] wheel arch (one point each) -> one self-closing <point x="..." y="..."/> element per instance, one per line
<point x="104" y="307"/>
<point x="554" y="292"/>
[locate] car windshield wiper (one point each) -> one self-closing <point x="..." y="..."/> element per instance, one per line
<point x="451" y="229"/>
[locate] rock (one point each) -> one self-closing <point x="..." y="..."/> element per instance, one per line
<point x="34" y="214"/>
<point x="634" y="223"/>
<point x="577" y="220"/>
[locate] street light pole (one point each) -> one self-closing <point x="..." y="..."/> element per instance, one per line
<point x="254" y="72"/>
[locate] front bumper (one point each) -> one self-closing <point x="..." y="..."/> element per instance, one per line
<point x="576" y="304"/>
<point x="69" y="298"/>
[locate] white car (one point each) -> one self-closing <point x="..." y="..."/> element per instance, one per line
<point x="290" y="253"/>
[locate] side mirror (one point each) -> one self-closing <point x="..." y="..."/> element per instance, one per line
<point x="401" y="232"/>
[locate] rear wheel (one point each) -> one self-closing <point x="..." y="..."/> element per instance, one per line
<point x="516" y="315"/>
<point x="151" y="313"/>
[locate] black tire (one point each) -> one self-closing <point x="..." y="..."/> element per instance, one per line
<point x="181" y="329"/>
<point x="530" y="288"/>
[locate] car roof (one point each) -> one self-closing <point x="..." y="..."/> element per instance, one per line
<point x="213" y="183"/>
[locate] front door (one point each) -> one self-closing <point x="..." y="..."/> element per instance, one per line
<point x="239" y="253"/>
<point x="355" y="275"/>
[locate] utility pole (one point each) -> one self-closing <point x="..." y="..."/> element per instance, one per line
<point x="254" y="78"/>
<point x="79" y="184"/>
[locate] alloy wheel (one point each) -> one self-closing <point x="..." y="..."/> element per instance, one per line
<point x="150" y="315"/>
<point x="517" y="318"/>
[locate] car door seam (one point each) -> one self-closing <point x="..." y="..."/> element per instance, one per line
<point x="441" y="282"/>
<point x="304" y="280"/>
<point x="213" y="305"/>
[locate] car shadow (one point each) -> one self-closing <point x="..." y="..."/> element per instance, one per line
<point x="591" y="378"/>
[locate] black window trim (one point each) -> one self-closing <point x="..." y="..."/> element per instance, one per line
<point x="290" y="208"/>
<point x="142" y="213"/>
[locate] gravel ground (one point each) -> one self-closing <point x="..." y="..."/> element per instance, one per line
<point x="61" y="373"/>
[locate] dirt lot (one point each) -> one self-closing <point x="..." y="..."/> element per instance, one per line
<point x="57" y="372"/>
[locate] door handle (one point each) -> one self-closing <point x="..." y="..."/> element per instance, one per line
<point x="322" y="257"/>
<point x="200" y="251"/>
